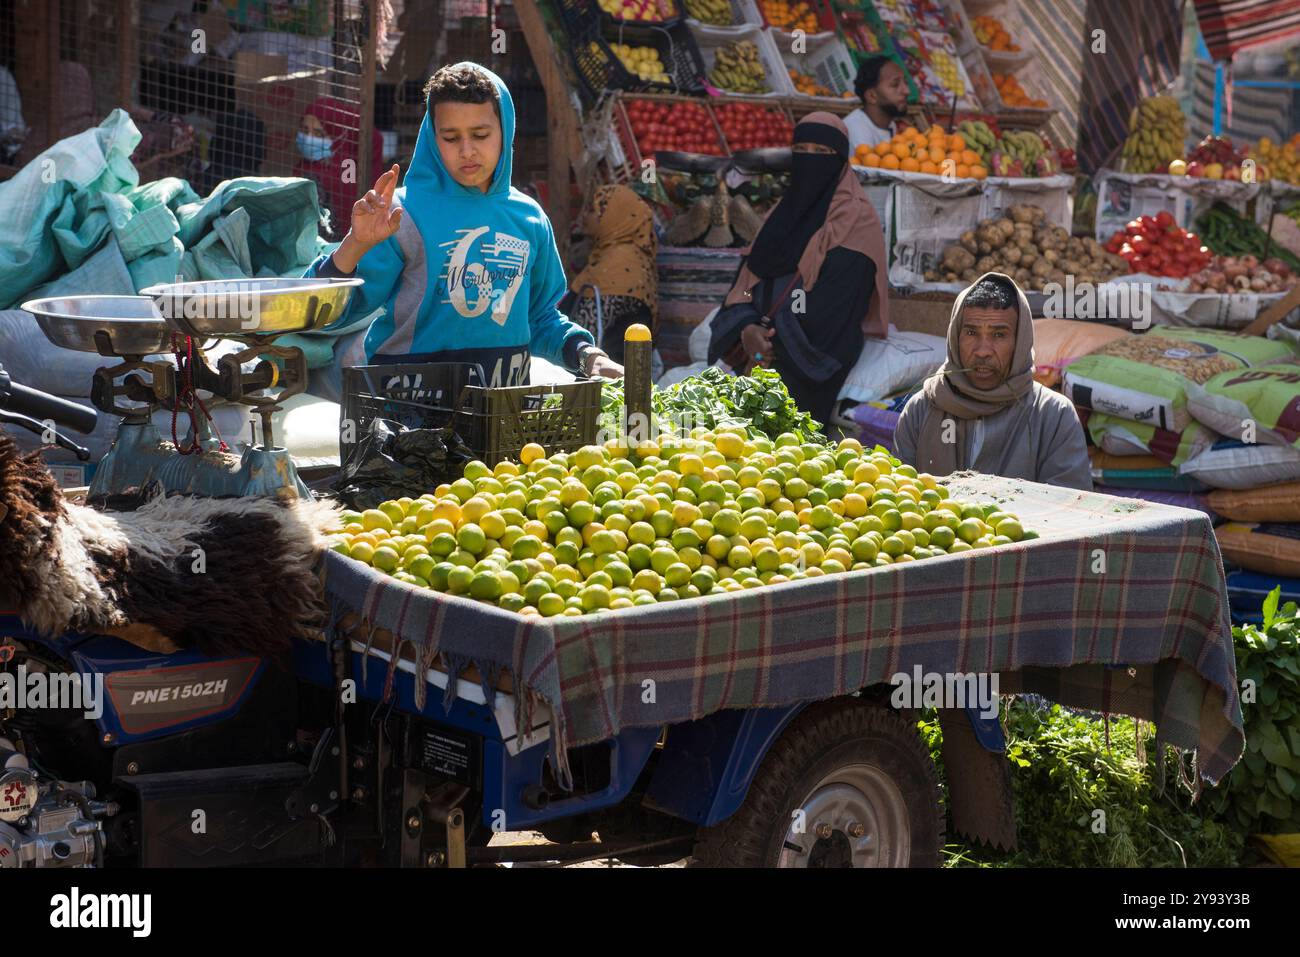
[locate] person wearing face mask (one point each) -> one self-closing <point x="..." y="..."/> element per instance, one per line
<point x="462" y="266"/>
<point x="814" y="281"/>
<point x="881" y="85"/>
<point x="983" y="410"/>
<point x="327" y="154"/>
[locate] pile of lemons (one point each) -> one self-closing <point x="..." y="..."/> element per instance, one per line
<point x="612" y="526"/>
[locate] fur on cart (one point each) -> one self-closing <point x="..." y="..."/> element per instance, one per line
<point x="222" y="576"/>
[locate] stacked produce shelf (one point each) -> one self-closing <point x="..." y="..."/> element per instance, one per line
<point x="741" y="60"/>
<point x="651" y="123"/>
<point x="632" y="53"/>
<point x="994" y="46"/>
<point x="657" y="13"/>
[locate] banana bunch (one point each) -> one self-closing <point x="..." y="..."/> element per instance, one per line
<point x="736" y="67"/>
<point x="1023" y="145"/>
<point x="715" y="12"/>
<point x="1156" y="135"/>
<point x="643" y="61"/>
<point x="978" y="137"/>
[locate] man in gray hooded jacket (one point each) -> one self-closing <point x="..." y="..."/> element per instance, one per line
<point x="983" y="410"/>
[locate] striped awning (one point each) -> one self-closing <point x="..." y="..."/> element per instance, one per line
<point x="1230" y="26"/>
<point x="1056" y="27"/>
<point x="1249" y="112"/>
<point x="1140" y="59"/>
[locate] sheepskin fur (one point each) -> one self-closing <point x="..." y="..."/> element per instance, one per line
<point x="220" y="575"/>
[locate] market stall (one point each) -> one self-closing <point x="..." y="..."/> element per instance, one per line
<point x="804" y="641"/>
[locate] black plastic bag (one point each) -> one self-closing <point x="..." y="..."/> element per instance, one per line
<point x="392" y="461"/>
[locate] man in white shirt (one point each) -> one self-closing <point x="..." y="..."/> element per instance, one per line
<point x="881" y="85"/>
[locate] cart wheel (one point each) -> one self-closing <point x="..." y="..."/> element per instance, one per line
<point x="848" y="784"/>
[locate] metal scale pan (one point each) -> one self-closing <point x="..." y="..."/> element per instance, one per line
<point x="108" y="325"/>
<point x="235" y="308"/>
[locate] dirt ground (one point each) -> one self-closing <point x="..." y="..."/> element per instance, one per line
<point x="535" y="837"/>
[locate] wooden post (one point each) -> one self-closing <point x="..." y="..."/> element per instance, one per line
<point x="638" y="425"/>
<point x="564" y="144"/>
<point x="127" y="22"/>
<point x="369" y="58"/>
<point x="36" y="70"/>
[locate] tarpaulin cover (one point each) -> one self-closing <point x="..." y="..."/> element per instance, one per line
<point x="1120" y="606"/>
<point x="78" y="222"/>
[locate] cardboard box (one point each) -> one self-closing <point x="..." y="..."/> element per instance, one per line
<point x="265" y="87"/>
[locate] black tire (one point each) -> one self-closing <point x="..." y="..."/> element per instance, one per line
<point x="829" y="736"/>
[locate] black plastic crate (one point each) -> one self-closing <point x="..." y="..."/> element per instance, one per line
<point x="600" y="69"/>
<point x="417" y="395"/>
<point x="495" y="423"/>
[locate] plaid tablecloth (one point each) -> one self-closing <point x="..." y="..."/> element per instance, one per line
<point x="1120" y="606"/>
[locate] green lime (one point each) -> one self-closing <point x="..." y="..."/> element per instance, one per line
<point x="438" y="577"/>
<point x="638" y="556"/>
<point x="459" y="579"/>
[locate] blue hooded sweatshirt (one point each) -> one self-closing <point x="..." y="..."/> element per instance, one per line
<point x="469" y="276"/>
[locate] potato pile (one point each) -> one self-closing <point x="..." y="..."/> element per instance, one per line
<point x="1024" y="246"/>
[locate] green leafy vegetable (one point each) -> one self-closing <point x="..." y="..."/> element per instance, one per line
<point x="1065" y="768"/>
<point x="1262" y="793"/>
<point x="713" y="397"/>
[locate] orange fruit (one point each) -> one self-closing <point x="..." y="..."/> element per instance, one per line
<point x="970" y="157"/>
<point x="979" y="172"/>
<point x="956" y="142"/>
<point x="963" y="171"/>
<point x="871" y="160"/>
<point x="936" y="154"/>
<point x="909" y="131"/>
<point x="937" y="128"/>
<point x="929" y="167"/>
<point x="890" y="161"/>
<point x="910" y="165"/>
<point x="901" y="150"/>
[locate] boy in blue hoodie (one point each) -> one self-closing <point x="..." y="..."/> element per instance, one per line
<point x="465" y="264"/>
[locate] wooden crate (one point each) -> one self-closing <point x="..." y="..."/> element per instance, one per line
<point x="623" y="124"/>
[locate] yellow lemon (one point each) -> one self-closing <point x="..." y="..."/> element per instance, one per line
<point x="730" y="445"/>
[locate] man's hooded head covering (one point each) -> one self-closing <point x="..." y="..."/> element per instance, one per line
<point x="952" y="395"/>
<point x="428" y="177"/>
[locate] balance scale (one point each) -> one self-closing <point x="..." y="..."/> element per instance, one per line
<point x="183" y="317"/>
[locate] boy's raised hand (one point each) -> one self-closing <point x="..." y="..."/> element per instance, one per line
<point x="374" y="217"/>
